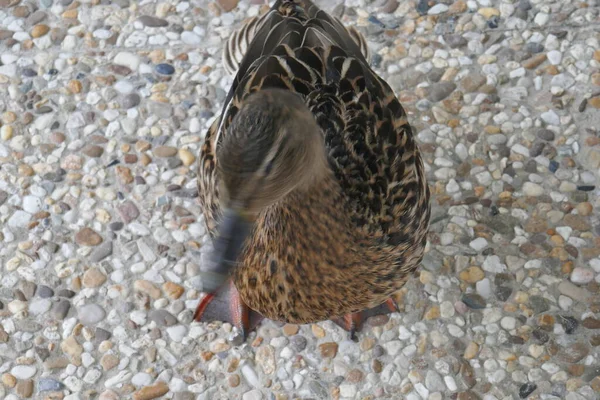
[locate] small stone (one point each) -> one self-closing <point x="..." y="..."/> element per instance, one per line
<point x="253" y="394"/>
<point x="472" y="275"/>
<point x="131" y="100"/>
<point x="570" y="324"/>
<point x="93" y="278"/>
<point x="164" y="151"/>
<point x="573" y="353"/>
<point x="532" y="189"/>
<point x="152" y="22"/>
<point x="91" y="314"/>
<point x="152" y="392"/>
<point x="25" y="388"/>
<point x="328" y="350"/>
<point x="535" y="61"/>
<point x="471" y="351"/>
<point x="582" y="276"/>
<point x="9" y="380"/>
<point x="128" y="211"/>
<point x="186" y="157"/>
<point x="265" y="358"/>
<point x="60" y="309"/>
<point x="439" y="91"/>
<point x="49" y="385"/>
<point x="93" y="151"/>
<point x="74" y="86"/>
<point x="39" y="30"/>
<point x="317" y="331"/>
<point x="474" y="301"/>
<point x="591" y="323"/>
<point x="233" y="380"/>
<point x="165" y="69"/>
<point x="173" y="290"/>
<point x="526" y="389"/>
<point x="44" y="292"/>
<point x="290" y="329"/>
<point x="87" y="237"/>
<point x="489" y="12"/>
<point x="228" y="5"/>
<point x="162" y="318"/>
<point x="298" y="343"/>
<point x="109" y="361"/>
<point x="148" y="288"/>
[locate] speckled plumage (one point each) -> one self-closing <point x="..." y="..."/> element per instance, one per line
<point x="354" y="237"/>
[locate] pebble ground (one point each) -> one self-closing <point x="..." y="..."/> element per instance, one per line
<point x="104" y="105"/>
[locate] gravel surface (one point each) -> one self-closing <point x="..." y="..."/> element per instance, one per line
<point x="104" y="106"/>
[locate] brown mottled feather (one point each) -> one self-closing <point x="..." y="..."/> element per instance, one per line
<point x="354" y="239"/>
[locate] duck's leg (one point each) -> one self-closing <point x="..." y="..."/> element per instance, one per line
<point x="353" y="322"/>
<point x="227" y="306"/>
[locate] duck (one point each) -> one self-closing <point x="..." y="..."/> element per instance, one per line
<point x="311" y="182"/>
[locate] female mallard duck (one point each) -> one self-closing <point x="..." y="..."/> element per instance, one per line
<point x="310" y="181"/>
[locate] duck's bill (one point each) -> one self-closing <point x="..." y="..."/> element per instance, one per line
<point x="229" y="244"/>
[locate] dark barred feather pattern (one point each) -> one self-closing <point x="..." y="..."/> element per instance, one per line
<point x="239" y="41"/>
<point x="378" y="170"/>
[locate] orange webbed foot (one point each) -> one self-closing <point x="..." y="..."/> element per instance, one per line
<point x="227" y="306"/>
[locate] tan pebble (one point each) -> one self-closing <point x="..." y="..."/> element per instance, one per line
<point x="56" y="363"/>
<point x="130" y="158"/>
<point x="70" y="14"/>
<point x="234" y="380"/>
<point x="471" y="351"/>
<point x="290" y="329"/>
<point x="472" y="275"/>
<point x="596" y="79"/>
<point x="206" y="355"/>
<point x="108" y="395"/>
<point x="458" y="7"/>
<point x="109" y="361"/>
<point x="218" y="347"/>
<point x="9" y="117"/>
<point x="328" y="350"/>
<point x="156" y="56"/>
<point x="105" y="346"/>
<point x="367" y="344"/>
<point x="88" y="237"/>
<point x="186" y="157"/>
<point x="432" y="313"/>
<point x="489" y="12"/>
<point x="426" y="277"/>
<point x="317" y="331"/>
<point x="145" y="159"/>
<point x="9" y="380"/>
<point x="142" y="145"/>
<point x="25" y="170"/>
<point x="25" y="389"/>
<point x="93" y="278"/>
<point x="228" y="5"/>
<point x="124" y="174"/>
<point x="173" y="290"/>
<point x="39" y="30"/>
<point x="164" y="151"/>
<point x="6" y="132"/>
<point x="72" y="162"/>
<point x="535" y="61"/>
<point x="597" y="55"/>
<point x="74" y="86"/>
<point x="71" y="347"/>
<point x="594" y="102"/>
<point x="147" y="287"/>
<point x="585" y="209"/>
<point x="151" y="392"/>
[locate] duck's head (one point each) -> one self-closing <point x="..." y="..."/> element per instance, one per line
<point x="272" y="147"/>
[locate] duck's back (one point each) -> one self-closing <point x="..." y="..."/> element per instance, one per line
<point x="298" y="47"/>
